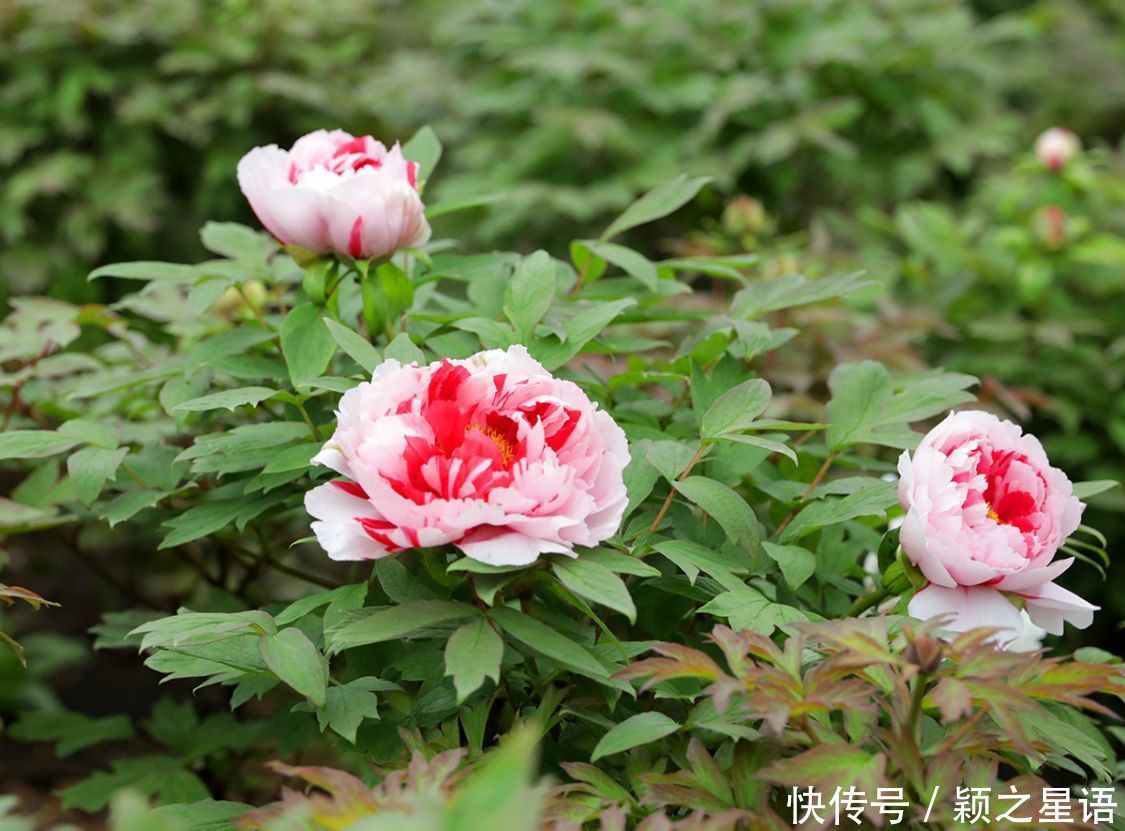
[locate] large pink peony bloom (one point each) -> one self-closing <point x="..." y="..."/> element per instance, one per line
<point x="336" y="192"/>
<point x="985" y="515"/>
<point x="492" y="454"/>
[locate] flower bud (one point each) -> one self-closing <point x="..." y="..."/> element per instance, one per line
<point x="1056" y="147"/>
<point x="745" y="216"/>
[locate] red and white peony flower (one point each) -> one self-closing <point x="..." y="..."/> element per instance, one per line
<point x="335" y="192"/>
<point x="985" y="515"/>
<point x="491" y="454"/>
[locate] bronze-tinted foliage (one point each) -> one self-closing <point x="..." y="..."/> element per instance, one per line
<point x="848" y="703"/>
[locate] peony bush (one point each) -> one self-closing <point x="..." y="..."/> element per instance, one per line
<point x="452" y="539"/>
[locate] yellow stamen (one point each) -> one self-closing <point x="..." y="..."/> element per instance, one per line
<point x="507" y="452"/>
<point x="995" y="517"/>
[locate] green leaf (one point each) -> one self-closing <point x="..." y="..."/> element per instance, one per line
<point x="530" y="293"/>
<point x="871" y="500"/>
<point x="127" y="505"/>
<point x="297" y="457"/>
<point x="792" y="290"/>
<point x="549" y="642"/>
<point x="629" y="261"/>
<point x="403" y="350"/>
<point x="226" y="400"/>
<point x="736" y="409"/>
<point x="306" y="343"/>
<point x="148" y="270"/>
<point x="387" y="293"/>
<point x="635" y="731"/>
<point x="1084" y="490"/>
<point x="472" y="654"/>
<point x="747" y="608"/>
<point x="727" y="507"/>
<point x="692" y="558"/>
<point x="497" y="794"/>
<point x="424" y="149"/>
<point x="351" y="596"/>
<point x="620" y="563"/>
<point x="71" y="731"/>
<point x="396" y="622"/>
<point x="357" y="347"/>
<point x="595" y="582"/>
<point x="349" y="705"/>
<point x="658" y="202"/>
<point x="237" y="242"/>
<point x="859" y="393"/>
<point x="797" y="564"/>
<point x="206" y="518"/>
<point x="33" y="444"/>
<point x="161" y="777"/>
<point x="827" y="767"/>
<point x="293" y="658"/>
<point x="580" y="330"/>
<point x="90" y="432"/>
<point x="90" y="468"/>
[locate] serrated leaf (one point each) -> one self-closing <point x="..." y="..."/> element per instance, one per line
<point x="71" y="731"/>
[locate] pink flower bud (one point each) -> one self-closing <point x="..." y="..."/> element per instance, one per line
<point x="1056" y="147"/>
<point x="335" y="192"/>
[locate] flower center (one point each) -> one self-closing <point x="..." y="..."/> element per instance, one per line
<point x="995" y="517"/>
<point x="507" y="452"/>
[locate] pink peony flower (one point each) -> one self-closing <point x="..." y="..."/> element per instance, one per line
<point x="985" y="515"/>
<point x="491" y="454"/>
<point x="336" y="192"/>
<point x="1056" y="147"/>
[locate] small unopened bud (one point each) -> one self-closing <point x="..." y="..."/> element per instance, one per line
<point x="924" y="652"/>
<point x="746" y="215"/>
<point x="896" y="580"/>
<point x="1056" y="147"/>
<point x="1049" y="224"/>
<point x="315" y="282"/>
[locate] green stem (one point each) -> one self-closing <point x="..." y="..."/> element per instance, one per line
<point x="867" y="601"/>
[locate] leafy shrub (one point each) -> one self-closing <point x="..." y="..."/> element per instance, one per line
<point x="189" y="412"/>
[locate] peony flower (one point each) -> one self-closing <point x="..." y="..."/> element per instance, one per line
<point x="335" y="192"/>
<point x="491" y="454"/>
<point x="985" y="515"/>
<point x="1056" y="147"/>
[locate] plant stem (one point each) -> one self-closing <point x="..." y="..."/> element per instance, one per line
<point x="672" y="492"/>
<point x="867" y="601"/>
<point x="820" y="474"/>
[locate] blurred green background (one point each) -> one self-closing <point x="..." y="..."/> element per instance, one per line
<point x="889" y="135"/>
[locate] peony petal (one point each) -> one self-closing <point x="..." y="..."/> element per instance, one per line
<point x="1052" y="606"/>
<point x="968" y="608"/>
<point x="336" y="527"/>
